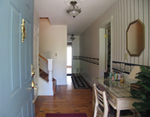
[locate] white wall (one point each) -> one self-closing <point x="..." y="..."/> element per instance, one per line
<point x="75" y="52"/>
<point x="53" y="45"/>
<point x="123" y="12"/>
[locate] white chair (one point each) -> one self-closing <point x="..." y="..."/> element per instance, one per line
<point x="101" y="104"/>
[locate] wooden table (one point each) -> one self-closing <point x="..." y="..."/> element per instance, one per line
<point x="119" y="96"/>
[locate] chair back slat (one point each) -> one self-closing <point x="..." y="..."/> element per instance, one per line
<point x="101" y="105"/>
<point x="100" y="100"/>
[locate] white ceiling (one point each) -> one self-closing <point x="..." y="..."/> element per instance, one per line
<point x="56" y="11"/>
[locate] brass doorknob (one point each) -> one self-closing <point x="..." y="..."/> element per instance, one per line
<point x="33" y="84"/>
<point x="33" y="87"/>
<point x="32" y="73"/>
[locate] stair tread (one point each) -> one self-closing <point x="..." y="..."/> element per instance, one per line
<point x="43" y="75"/>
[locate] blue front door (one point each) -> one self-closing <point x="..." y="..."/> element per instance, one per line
<point x="16" y="93"/>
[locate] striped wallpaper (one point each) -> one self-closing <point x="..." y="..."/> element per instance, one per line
<point x="123" y="12"/>
<point x="126" y="11"/>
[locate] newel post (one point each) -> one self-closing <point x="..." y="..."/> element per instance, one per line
<point x="50" y="68"/>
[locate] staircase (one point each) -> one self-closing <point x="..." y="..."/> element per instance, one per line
<point x="45" y="79"/>
<point x="43" y="69"/>
<point x="43" y="75"/>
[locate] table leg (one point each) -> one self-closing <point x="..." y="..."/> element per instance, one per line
<point x="118" y="113"/>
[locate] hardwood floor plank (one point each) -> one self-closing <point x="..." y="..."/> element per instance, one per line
<point x="66" y="100"/>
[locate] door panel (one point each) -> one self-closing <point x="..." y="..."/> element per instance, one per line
<point x="15" y="49"/>
<point x="29" y="107"/>
<point x="28" y="4"/>
<point x="19" y="114"/>
<point x="16" y="94"/>
<point x="27" y="53"/>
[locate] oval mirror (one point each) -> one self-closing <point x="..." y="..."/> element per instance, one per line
<point x="135" y="38"/>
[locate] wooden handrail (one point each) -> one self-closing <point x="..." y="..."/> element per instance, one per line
<point x="43" y="58"/>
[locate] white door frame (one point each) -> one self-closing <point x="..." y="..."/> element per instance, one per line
<point x="102" y="45"/>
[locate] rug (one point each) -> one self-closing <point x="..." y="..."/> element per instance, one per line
<point x="79" y="82"/>
<point x="66" y="115"/>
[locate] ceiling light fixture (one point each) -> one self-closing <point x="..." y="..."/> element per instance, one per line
<point x="73" y="10"/>
<point x="72" y="37"/>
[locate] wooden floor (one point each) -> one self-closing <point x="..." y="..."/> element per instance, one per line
<point x="66" y="100"/>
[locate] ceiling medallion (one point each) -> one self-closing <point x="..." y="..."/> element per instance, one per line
<point x="73" y="10"/>
<point x="79" y="2"/>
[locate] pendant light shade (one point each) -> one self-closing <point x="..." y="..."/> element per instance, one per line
<point x="73" y="10"/>
<point x="72" y="37"/>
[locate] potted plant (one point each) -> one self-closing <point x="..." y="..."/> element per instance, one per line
<point x="143" y="107"/>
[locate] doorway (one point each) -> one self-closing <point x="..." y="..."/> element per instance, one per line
<point x="108" y="48"/>
<point x="105" y="45"/>
<point x="69" y="58"/>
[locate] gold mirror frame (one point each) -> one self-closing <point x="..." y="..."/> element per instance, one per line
<point x="135" y="42"/>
